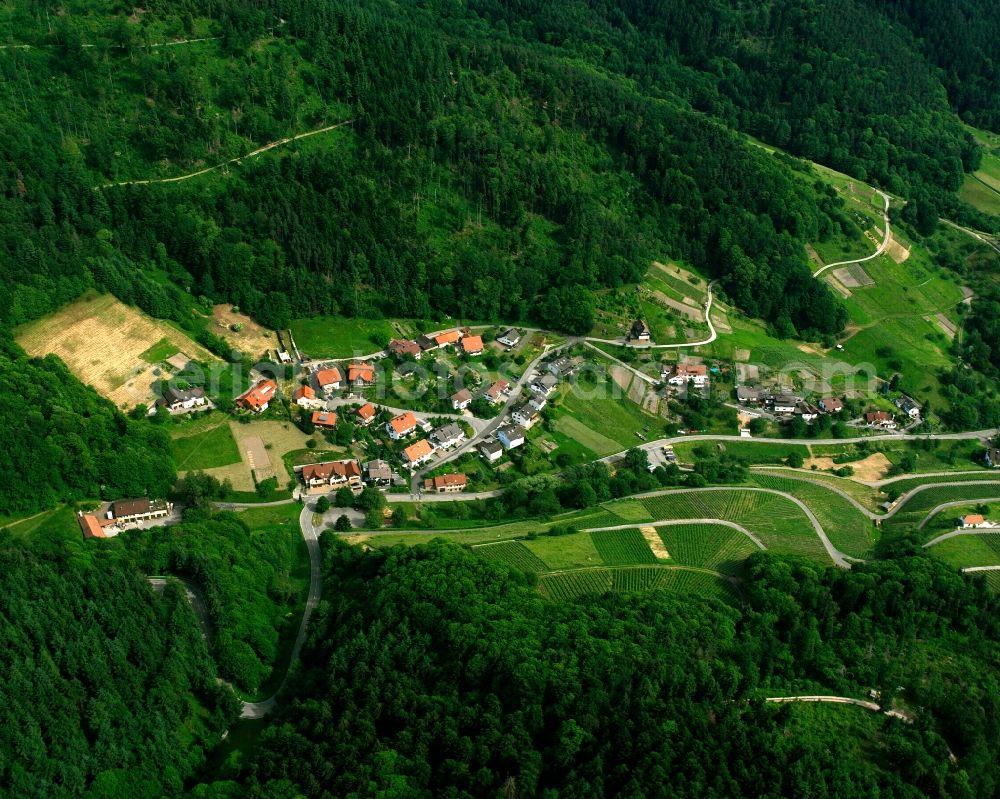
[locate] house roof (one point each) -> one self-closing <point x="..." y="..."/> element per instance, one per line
<point x="449" y="480"/>
<point x="327" y="469"/>
<point x="639" y="328"/>
<point x="361" y="371"/>
<point x="130" y="507"/>
<point x="327" y="377"/>
<point x="511" y="431"/>
<point x="421" y="449"/>
<point x="366" y="411"/>
<point x="748" y="392"/>
<point x="510" y="334"/>
<point x="498" y="388"/>
<point x="832" y="403"/>
<point x="403" y="423"/>
<point x="973" y="518"/>
<point x="172" y="394"/>
<point x="491" y="446"/>
<point x="90" y="526"/>
<point x="447" y="337"/>
<point x="690" y="370"/>
<point x="401" y="346"/>
<point x="324" y="418"/>
<point x="378" y="470"/>
<point x="425" y="342"/>
<point x="472" y="344"/>
<point x="448" y="432"/>
<point x="258" y="396"/>
<point x="878" y="416"/>
<point x="463" y="395"/>
<point x="304" y="392"/>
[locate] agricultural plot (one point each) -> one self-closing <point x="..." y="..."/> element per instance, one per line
<point x="778" y="522"/>
<point x="570" y="585"/>
<point x="916" y="509"/>
<point x="992" y="579"/>
<point x="868" y="496"/>
<point x="977" y="476"/>
<point x="707" y="546"/>
<point x="964" y="551"/>
<point x="848" y="528"/>
<point x="622" y="547"/>
<point x="511" y="553"/>
<point x="597" y="443"/>
<point x="108" y="345"/>
<point x="609" y="419"/>
<point x="336" y="337"/>
<point x="565" y="551"/>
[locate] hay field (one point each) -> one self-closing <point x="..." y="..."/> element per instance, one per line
<point x="102" y="340"/>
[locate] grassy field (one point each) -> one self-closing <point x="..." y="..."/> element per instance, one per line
<point x="964" y="551"/>
<point x="979" y="194"/>
<point x="160" y="351"/>
<point x="915" y="509"/>
<point x="606" y="423"/>
<point x="910" y="483"/>
<point x="337" y="337"/>
<point x="107" y="345"/>
<point x="868" y="496"/>
<point x="849" y="529"/>
<point x="757" y="450"/>
<point x="206" y="450"/>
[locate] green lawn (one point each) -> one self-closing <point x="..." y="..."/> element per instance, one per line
<point x="337" y="337"/>
<point x="160" y="351"/>
<point x="964" y="551"/>
<point x="754" y="450"/>
<point x="206" y="450"/>
<point x="979" y="194"/>
<point x="565" y="551"/>
<point x="612" y="421"/>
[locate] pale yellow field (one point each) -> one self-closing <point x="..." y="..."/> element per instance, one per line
<point x="100" y="339"/>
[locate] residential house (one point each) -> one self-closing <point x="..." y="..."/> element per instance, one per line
<point x="304" y="396"/>
<point x="908" y="406"/>
<point x="447" y="337"/>
<point x="880" y="419"/>
<point x="992" y="458"/>
<point x="472" y="345"/>
<point x="446" y="483"/>
<point x="461" y="400"/>
<point x="257" y="398"/>
<point x="809" y="413"/>
<point x="361" y="374"/>
<point x="325" y="420"/>
<point x="684" y="373"/>
<point x="749" y="395"/>
<point x="785" y="403"/>
<point x="543" y="386"/>
<point x="401" y="348"/>
<point x="138" y="510"/>
<point x="332" y="473"/>
<point x="425" y="343"/>
<point x="448" y="435"/>
<point x="497" y="391"/>
<point x="378" y="473"/>
<point x="329" y="380"/>
<point x="491" y="450"/>
<point x="176" y="399"/>
<point x="831" y="405"/>
<point x="401" y="426"/>
<point x="639" y="331"/>
<point x="525" y="415"/>
<point x="510" y="337"/>
<point x="537" y="403"/>
<point x="365" y="414"/>
<point x="560" y="367"/>
<point x="418" y="453"/>
<point x="974" y="520"/>
<point x="511" y="435"/>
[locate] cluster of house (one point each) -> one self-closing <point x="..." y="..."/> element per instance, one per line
<point x="120" y="513"/>
<point x="461" y="340"/>
<point x="406" y="425"/>
<point x="684" y="373"/>
<point x="786" y="404"/>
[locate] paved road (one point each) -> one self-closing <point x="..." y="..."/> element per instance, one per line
<point x="712" y="335"/>
<point x="958" y="502"/>
<point x="882" y="247"/>
<point x="678" y="522"/>
<point x="256" y="710"/>
<point x="416" y="481"/>
<point x="974" y="233"/>
<point x="963" y="531"/>
<point x="835" y="554"/>
<point x="839" y="700"/>
<point x="980" y="569"/>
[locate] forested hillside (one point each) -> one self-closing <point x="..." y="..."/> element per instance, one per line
<point x="486" y="689"/>
<point x="518" y="155"/>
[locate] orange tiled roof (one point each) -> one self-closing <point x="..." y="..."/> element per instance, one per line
<point x="304" y="392"/>
<point x="448" y="337"/>
<point x="327" y="377"/>
<point x="258" y="396"/>
<point x="472" y="344"/>
<point x="324" y="418"/>
<point x="404" y="422"/>
<point x="415" y="452"/>
<point x="366" y="411"/>
<point x="361" y="371"/>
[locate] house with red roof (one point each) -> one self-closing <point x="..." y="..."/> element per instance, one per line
<point x="401" y="426"/>
<point x="331" y="473"/>
<point x="446" y="483"/>
<point x="472" y="345"/>
<point x="361" y="374"/>
<point x="418" y="453"/>
<point x="329" y="380"/>
<point x="257" y="399"/>
<point x="365" y="414"/>
<point x="325" y="420"/>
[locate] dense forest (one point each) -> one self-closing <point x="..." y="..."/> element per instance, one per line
<point x="487" y="689"/>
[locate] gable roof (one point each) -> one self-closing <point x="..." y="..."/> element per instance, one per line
<point x="327" y="377"/>
<point x="324" y="418"/>
<point x="366" y="411"/>
<point x="497" y="388"/>
<point x="361" y="371"/>
<point x="130" y="507"/>
<point x="973" y="518"/>
<point x="403" y="422"/>
<point x="690" y="370"/>
<point x="327" y="469"/>
<point x="472" y="344"/>
<point x="90" y="526"/>
<point x="832" y="403"/>
<point x="878" y="416"/>
<point x="639" y="328"/>
<point x="400" y="346"/>
<point x="462" y="395"/>
<point x="447" y="337"/>
<point x="258" y="396"/>
<point x="419" y="450"/>
<point x="511" y="431"/>
<point x="448" y="432"/>
<point x="304" y="392"/>
<point x="448" y="480"/>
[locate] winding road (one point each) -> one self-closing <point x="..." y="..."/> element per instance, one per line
<point x="881" y="249"/>
<point x="679" y="522"/>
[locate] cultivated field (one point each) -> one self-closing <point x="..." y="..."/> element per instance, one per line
<point x="103" y="342"/>
<point x="511" y="553"/>
<point x="707" y="546"/>
<point x="208" y="449"/>
<point x="569" y="585"/>
<point x="622" y="547"/>
<point x="964" y="551"/>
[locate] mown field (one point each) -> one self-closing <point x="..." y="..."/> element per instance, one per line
<point x="208" y="449"/>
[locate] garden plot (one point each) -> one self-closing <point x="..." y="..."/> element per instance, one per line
<point x="853" y="276"/>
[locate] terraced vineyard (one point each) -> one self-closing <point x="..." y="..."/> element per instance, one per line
<point x="707" y="546"/>
<point x="915" y="509"/>
<point x="777" y="521"/>
<point x="848" y="528"/>
<point x="569" y="585"/>
<point x="963" y="551"/>
<point x="909" y="483"/>
<point x="622" y="547"/>
<point x="511" y="553"/>
<point x="868" y="496"/>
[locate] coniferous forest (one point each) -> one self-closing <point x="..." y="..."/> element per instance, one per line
<point x="498" y="162"/>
